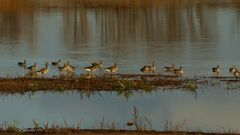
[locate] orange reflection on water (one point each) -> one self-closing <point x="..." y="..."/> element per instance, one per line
<point x="116" y="21"/>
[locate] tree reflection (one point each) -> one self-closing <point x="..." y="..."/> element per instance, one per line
<point x="116" y="22"/>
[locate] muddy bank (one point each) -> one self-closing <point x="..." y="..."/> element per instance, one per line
<point x="110" y="132"/>
<point x="116" y="82"/>
<point x="81" y="83"/>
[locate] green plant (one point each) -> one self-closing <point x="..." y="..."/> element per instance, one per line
<point x="190" y="85"/>
<point x="125" y="93"/>
<point x="61" y="87"/>
<point x="146" y="86"/>
<point x="32" y="85"/>
<point x="124" y="84"/>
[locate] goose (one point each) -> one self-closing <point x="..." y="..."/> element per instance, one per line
<point x="216" y="69"/>
<point x="178" y="71"/>
<point x="112" y="69"/>
<point x="91" y="68"/>
<point x="70" y="68"/>
<point x="169" y="69"/>
<point x="148" y="68"/>
<point x="24" y="63"/>
<point x="56" y="63"/>
<point x="44" y="70"/>
<point x="233" y="69"/>
<point x="236" y="73"/>
<point x="63" y="68"/>
<point x="99" y="65"/>
<point x="145" y="69"/>
<point x="34" y="67"/>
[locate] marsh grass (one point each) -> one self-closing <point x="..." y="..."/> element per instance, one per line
<point x="109" y="126"/>
<point x="190" y="84"/>
<point x="10" y="127"/>
<point x="24" y="84"/>
<point x="170" y="126"/>
<point x="140" y="122"/>
<point x="123" y="85"/>
<point x="142" y="126"/>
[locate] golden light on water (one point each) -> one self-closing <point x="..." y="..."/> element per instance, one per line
<point x="25" y="4"/>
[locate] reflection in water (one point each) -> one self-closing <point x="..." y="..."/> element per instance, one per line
<point x="127" y="26"/>
<point x="170" y="21"/>
<point x="169" y="32"/>
<point x="213" y="109"/>
<point x="194" y="33"/>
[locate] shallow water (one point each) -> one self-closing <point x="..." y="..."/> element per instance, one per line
<point x="210" y="109"/>
<point x="196" y="34"/>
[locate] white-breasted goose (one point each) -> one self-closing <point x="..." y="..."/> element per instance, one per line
<point x="169" y="69"/>
<point x="148" y="68"/>
<point x="44" y="70"/>
<point x="178" y="71"/>
<point x="112" y="69"/>
<point x="236" y="73"/>
<point x="91" y="68"/>
<point x="216" y="69"/>
<point x="233" y="69"/>
<point x="63" y="68"/>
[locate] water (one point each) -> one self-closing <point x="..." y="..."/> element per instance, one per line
<point x="210" y="109"/>
<point x="196" y="34"/>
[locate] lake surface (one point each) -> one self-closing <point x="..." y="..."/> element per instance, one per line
<point x="210" y="110"/>
<point x="196" y="34"/>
